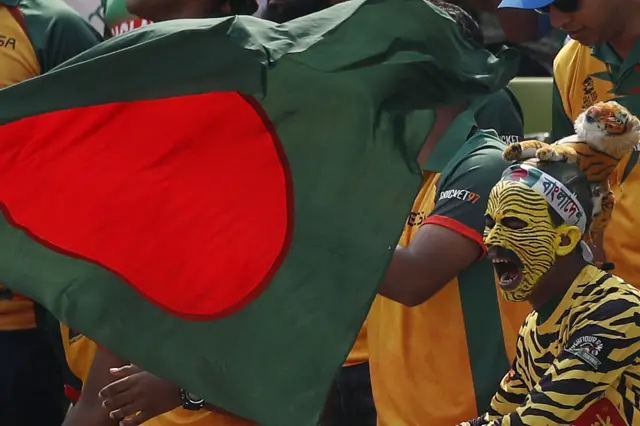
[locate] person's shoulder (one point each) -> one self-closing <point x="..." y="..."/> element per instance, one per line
<point x="51" y="9"/>
<point x="501" y="111"/>
<point x="56" y="31"/>
<point x="618" y="289"/>
<point x="53" y="16"/>
<point x="482" y="154"/>
<point x="573" y="57"/>
<point x="501" y="98"/>
<point x="485" y="143"/>
<point x="608" y="300"/>
<point x="569" y="52"/>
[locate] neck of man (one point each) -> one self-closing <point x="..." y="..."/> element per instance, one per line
<point x="557" y="279"/>
<point x="627" y="37"/>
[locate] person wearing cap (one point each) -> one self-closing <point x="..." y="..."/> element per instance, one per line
<point x="600" y="63"/>
<point x="529" y="32"/>
<point x="578" y="351"/>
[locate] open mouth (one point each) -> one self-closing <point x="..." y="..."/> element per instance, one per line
<point x="508" y="267"/>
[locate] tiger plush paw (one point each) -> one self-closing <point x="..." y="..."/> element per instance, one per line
<point x="512" y="152"/>
<point x="522" y="150"/>
<point x="557" y="153"/>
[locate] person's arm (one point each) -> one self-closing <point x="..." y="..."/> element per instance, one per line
<point x="510" y="395"/>
<point x="594" y="358"/>
<point x="140" y="396"/>
<point x="450" y="239"/>
<point x="89" y="410"/>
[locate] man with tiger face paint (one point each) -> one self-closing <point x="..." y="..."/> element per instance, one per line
<point x="578" y="352"/>
<point x="524" y="235"/>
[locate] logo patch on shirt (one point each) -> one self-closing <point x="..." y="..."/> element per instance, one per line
<point x="459" y="194"/>
<point x="587" y="348"/>
<point x="416" y="218"/>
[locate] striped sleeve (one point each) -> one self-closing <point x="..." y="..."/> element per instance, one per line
<point x="511" y="394"/>
<point x="604" y="343"/>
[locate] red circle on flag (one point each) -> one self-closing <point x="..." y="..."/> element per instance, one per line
<point x="188" y="199"/>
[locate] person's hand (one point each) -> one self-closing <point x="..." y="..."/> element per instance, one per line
<point x="138" y="396"/>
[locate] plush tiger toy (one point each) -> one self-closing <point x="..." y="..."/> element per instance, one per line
<point x="605" y="132"/>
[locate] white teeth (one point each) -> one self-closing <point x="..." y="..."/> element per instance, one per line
<point x="500" y="261"/>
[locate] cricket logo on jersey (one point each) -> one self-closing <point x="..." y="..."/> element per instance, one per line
<point x="509" y="139"/>
<point x="590" y="96"/>
<point x="587" y="348"/>
<point x="459" y="194"/>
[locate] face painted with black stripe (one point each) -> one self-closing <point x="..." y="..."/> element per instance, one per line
<point x="520" y="236"/>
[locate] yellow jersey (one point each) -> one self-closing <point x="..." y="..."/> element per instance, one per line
<point x="360" y="350"/>
<point x="584" y="75"/>
<point x="439" y="363"/>
<point x="35" y="36"/>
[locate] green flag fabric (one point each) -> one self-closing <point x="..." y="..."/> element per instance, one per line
<point x="217" y="200"/>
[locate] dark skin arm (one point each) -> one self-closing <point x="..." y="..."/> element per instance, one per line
<point x="433" y="258"/>
<point x="88" y="410"/>
<point x="138" y="391"/>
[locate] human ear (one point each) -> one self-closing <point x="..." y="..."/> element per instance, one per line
<point x="567" y="239"/>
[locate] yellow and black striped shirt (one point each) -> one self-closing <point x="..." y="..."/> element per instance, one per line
<point x="579" y="366"/>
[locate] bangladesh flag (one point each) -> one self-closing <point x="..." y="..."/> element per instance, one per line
<point x="217" y="200"/>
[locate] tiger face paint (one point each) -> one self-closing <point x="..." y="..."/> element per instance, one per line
<point x="520" y="237"/>
<point x="522" y="241"/>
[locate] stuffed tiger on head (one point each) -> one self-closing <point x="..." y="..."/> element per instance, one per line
<point x="605" y="133"/>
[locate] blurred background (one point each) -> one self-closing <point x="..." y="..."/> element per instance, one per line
<point x="87" y="9"/>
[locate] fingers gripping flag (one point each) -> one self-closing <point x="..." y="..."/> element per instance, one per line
<point x="215" y="200"/>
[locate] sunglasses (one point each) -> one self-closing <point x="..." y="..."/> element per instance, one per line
<point x="564" y="6"/>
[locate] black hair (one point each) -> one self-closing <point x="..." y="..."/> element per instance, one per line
<point x="469" y="26"/>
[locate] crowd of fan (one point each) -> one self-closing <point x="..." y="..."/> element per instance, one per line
<point x="416" y="359"/>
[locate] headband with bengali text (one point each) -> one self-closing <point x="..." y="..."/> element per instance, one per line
<point x="559" y="197"/>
